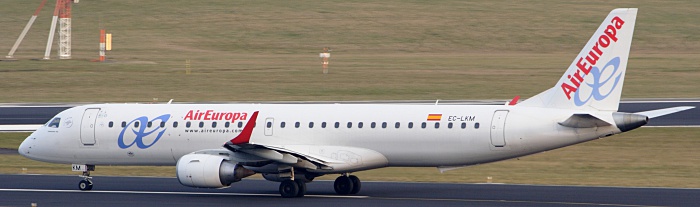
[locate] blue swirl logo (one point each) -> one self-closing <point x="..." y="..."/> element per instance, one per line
<point x="599" y="82"/>
<point x="141" y="132"/>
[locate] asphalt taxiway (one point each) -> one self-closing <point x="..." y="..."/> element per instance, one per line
<point x="53" y="190"/>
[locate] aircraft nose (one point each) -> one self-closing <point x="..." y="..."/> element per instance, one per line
<point x="25" y="147"/>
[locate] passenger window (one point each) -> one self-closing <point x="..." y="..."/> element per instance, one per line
<point x="437" y="125"/>
<point x="384" y="125"/>
<point x="373" y="125"/>
<point x="349" y="125"/>
<point x="410" y="125"/>
<point x="201" y="124"/>
<point x="449" y="125"/>
<point x="283" y="124"/>
<point x="397" y="125"/>
<point x="296" y="125"/>
<point x="359" y="125"/>
<point x="162" y="124"/>
<point x="240" y="124"/>
<point x="337" y="124"/>
<point x="227" y="124"/>
<point x="188" y="124"/>
<point x="269" y="124"/>
<point x="111" y="124"/>
<point x="464" y="125"/>
<point x="311" y="125"/>
<point x="476" y="125"/>
<point x="149" y="124"/>
<point x="174" y="124"/>
<point x="213" y="125"/>
<point x="136" y="124"/>
<point x="323" y="125"/>
<point x="422" y="125"/>
<point x="123" y="124"/>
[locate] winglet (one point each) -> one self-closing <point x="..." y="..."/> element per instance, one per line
<point x="244" y="136"/>
<point x="514" y="101"/>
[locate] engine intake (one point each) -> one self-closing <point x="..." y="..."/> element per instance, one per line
<point x="209" y="171"/>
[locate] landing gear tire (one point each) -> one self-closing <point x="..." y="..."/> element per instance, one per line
<point x="343" y="185"/>
<point x="356" y="184"/>
<point x="85" y="185"/>
<point x="302" y="188"/>
<point x="289" y="189"/>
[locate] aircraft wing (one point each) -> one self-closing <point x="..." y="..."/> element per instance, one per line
<point x="315" y="158"/>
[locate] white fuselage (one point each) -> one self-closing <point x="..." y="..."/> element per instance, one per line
<point x="460" y="135"/>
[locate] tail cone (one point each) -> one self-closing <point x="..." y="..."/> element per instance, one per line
<point x="627" y="121"/>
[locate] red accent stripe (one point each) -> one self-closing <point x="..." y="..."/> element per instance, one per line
<point x="514" y="101"/>
<point x="244" y="136"/>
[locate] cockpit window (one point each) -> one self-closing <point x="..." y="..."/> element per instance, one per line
<point x="54" y="123"/>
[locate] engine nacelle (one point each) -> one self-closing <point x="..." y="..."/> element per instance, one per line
<point x="209" y="171"/>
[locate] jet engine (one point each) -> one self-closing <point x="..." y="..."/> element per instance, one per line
<point x="209" y="171"/>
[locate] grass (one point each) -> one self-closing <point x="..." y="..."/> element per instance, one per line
<point x="382" y="50"/>
<point x="652" y="157"/>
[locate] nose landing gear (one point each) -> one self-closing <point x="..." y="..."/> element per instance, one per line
<point x="85" y="184"/>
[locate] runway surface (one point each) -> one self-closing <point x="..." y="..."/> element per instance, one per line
<point x="28" y="114"/>
<point x="51" y="190"/>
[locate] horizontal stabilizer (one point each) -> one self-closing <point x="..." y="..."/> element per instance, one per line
<point x="583" y="121"/>
<point x="663" y="112"/>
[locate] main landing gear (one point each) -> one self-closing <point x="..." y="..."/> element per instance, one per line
<point x="85" y="184"/>
<point x="345" y="184"/>
<point x="292" y="188"/>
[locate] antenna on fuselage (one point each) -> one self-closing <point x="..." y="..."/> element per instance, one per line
<point x="436" y="101"/>
<point x="171" y="101"/>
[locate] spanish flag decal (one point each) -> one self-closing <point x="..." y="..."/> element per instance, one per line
<point x="434" y="117"/>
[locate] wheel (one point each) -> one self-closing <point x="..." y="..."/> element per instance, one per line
<point x="85" y="185"/>
<point x="343" y="185"/>
<point x="289" y="189"/>
<point x="302" y="188"/>
<point x="356" y="184"/>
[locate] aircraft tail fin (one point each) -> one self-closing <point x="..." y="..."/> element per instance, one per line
<point x="594" y="79"/>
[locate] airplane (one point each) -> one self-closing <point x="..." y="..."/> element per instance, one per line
<point x="216" y="145"/>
